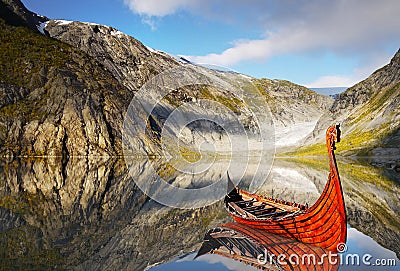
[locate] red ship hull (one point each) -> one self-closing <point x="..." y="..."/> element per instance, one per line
<point x="323" y="224"/>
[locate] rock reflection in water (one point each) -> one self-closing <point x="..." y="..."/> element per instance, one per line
<point x="193" y="185"/>
<point x="89" y="214"/>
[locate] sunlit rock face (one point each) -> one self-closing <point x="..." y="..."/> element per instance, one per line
<point x="369" y="113"/>
<point x="129" y="61"/>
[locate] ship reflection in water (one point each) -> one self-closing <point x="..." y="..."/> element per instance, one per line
<point x="233" y="246"/>
<point x="266" y="251"/>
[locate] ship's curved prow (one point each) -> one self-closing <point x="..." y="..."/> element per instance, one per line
<point x="323" y="224"/>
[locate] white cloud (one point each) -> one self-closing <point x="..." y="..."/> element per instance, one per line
<point x="357" y="28"/>
<point x="342" y="27"/>
<point x="158" y="8"/>
<point x="369" y="65"/>
<point x="276" y="43"/>
<point x="333" y="81"/>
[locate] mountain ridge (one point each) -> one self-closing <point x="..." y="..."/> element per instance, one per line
<point x="127" y="63"/>
<point x="16" y="14"/>
<point x="300" y="115"/>
<point x="368" y="113"/>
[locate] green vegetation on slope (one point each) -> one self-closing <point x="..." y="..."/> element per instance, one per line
<point x="357" y="142"/>
<point x="374" y="104"/>
<point x="23" y="53"/>
<point x="180" y="96"/>
<point x="20" y="250"/>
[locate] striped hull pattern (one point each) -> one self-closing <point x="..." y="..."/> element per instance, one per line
<point x="246" y="244"/>
<point x="323" y="224"/>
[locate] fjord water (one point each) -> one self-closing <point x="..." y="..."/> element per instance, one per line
<point x="89" y="214"/>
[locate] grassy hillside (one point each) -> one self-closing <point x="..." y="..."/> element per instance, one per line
<point x="369" y="114"/>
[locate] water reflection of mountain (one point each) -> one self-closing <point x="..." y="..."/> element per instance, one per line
<point x="90" y="215"/>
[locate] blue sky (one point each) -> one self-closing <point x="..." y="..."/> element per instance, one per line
<point x="316" y="43"/>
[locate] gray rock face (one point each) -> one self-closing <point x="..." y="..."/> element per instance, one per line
<point x="66" y="114"/>
<point x="129" y="61"/>
<point x="359" y="95"/>
<point x="295" y="110"/>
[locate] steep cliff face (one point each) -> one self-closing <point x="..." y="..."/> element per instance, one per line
<point x="370" y="91"/>
<point x="128" y="60"/>
<point x="373" y="117"/>
<point x="56" y="99"/>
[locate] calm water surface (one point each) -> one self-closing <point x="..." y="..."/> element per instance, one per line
<point x="89" y="214"/>
<point x="359" y="247"/>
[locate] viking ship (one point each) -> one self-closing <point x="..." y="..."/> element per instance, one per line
<point x="266" y="251"/>
<point x="323" y="224"/>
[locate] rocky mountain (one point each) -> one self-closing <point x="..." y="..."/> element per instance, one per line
<point x="369" y="115"/>
<point x="295" y="110"/>
<point x="56" y="100"/>
<point x="60" y="100"/>
<point x="128" y="60"/>
<point x="16" y="14"/>
<point x="73" y="103"/>
<point x="119" y="53"/>
<point x="372" y="109"/>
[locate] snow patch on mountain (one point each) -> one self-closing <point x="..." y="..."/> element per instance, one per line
<point x="293" y="134"/>
<point x="41" y="27"/>
<point x="63" y="22"/>
<point x="117" y="33"/>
